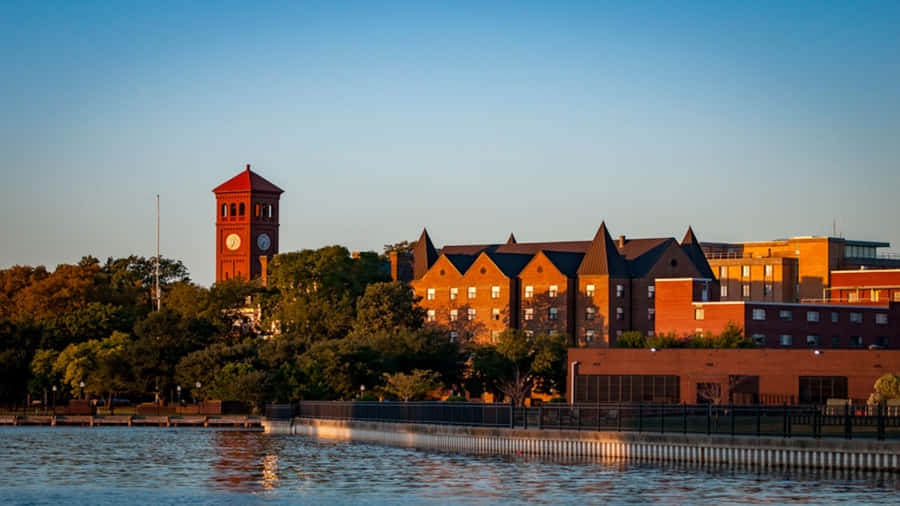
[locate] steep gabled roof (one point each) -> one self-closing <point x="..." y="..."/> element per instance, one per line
<point x="602" y="256"/>
<point x="424" y="255"/>
<point x="643" y="254"/>
<point x="512" y="239"/>
<point x="694" y="250"/>
<point x="566" y="262"/>
<point x="511" y="264"/>
<point x="248" y="181"/>
<point x="461" y="262"/>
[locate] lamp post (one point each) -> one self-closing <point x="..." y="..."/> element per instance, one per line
<point x="197" y="391"/>
<point x="81" y="385"/>
<point x="178" y="388"/>
<point x="362" y="391"/>
<point x="54" y="399"/>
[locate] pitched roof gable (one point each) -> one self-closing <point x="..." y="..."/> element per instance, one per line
<point x="567" y="262"/>
<point x="248" y="180"/>
<point x="602" y="256"/>
<point x="511" y="264"/>
<point x="694" y="250"/>
<point x="424" y="255"/>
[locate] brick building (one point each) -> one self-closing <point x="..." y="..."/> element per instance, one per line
<point x="877" y="287"/>
<point x="591" y="291"/>
<point x="741" y="376"/>
<point x="789" y="270"/>
<point x="681" y="309"/>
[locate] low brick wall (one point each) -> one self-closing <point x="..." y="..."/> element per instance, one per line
<point x="691" y="448"/>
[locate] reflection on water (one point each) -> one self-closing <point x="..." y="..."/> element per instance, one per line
<point x="155" y="465"/>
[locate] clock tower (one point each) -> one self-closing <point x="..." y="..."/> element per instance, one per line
<point x="246" y="225"/>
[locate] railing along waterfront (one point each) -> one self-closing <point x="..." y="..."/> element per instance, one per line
<point x="787" y="421"/>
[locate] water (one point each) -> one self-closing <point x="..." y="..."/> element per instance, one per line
<point x="116" y="465"/>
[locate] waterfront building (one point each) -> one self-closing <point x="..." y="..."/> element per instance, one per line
<point x="246" y="225"/>
<point x="723" y="376"/>
<point x="590" y="291"/>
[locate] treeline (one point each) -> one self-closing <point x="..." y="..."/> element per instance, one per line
<point x="334" y="323"/>
<point x="732" y="336"/>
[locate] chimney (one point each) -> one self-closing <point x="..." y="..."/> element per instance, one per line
<point x="394" y="261"/>
<point x="264" y="269"/>
<point x="621" y="241"/>
<point x="248" y="166"/>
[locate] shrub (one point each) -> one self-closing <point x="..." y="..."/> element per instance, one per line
<point x="455" y="398"/>
<point x="558" y="400"/>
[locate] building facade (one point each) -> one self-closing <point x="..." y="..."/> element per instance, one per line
<point x="246" y="225"/>
<point x="740" y="376"/>
<point x="681" y="310"/>
<point x="878" y="287"/>
<point x="590" y="291"/>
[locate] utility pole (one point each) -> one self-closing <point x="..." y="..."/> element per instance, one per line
<point x="158" y="300"/>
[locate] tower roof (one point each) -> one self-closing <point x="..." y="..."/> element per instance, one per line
<point x="602" y="256"/>
<point x="692" y="247"/>
<point x="424" y="255"/>
<point x="512" y="239"/>
<point x="248" y="180"/>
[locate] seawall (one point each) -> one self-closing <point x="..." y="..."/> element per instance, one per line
<point x="827" y="454"/>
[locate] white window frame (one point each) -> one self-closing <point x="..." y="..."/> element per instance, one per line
<point x="471" y="314"/>
<point x="881" y="319"/>
<point x="769" y="270"/>
<point x="786" y="315"/>
<point x="812" y="340"/>
<point x="620" y="290"/>
<point x="745" y="290"/>
<point x="529" y="291"/>
<point x="768" y="289"/>
<point x="431" y="315"/>
<point x="454" y="315"/>
<point x="589" y="290"/>
<point x="759" y="339"/>
<point x="699" y="314"/>
<point x="454" y="293"/>
<point x="495" y="292"/>
<point x="495" y="314"/>
<point x="471" y="292"/>
<point x="856" y="317"/>
<point x="553" y="313"/>
<point x="454" y="335"/>
<point x="723" y="272"/>
<point x="723" y="291"/>
<point x="786" y="340"/>
<point x="651" y="314"/>
<point x="758" y="314"/>
<point x="529" y="314"/>
<point x="553" y="291"/>
<point x="651" y="291"/>
<point x="590" y="313"/>
<point x="812" y="316"/>
<point x="589" y="335"/>
<point x="430" y="294"/>
<point x="745" y="271"/>
<point x="620" y="313"/>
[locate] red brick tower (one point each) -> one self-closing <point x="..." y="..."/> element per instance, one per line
<point x="246" y="225"/>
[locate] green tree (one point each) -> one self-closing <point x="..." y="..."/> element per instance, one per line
<point x="43" y="375"/>
<point x="239" y="381"/>
<point x="412" y="386"/>
<point x="631" y="339"/>
<point x="387" y="306"/>
<point x="888" y="386"/>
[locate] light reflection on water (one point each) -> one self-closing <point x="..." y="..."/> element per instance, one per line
<point x="156" y="465"/>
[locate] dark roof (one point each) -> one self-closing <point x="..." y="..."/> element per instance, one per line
<point x="643" y="254"/>
<point x="461" y="262"/>
<point x="424" y="255"/>
<point x="602" y="256"/>
<point x="511" y="264"/>
<point x="248" y="181"/>
<point x="694" y="250"/>
<point x="567" y="262"/>
<point x="512" y="239"/>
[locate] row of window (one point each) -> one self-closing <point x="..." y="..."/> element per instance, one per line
<point x="814" y="341"/>
<point x="874" y="296"/>
<point x="260" y="210"/>
<point x="814" y="316"/>
<point x="745" y="271"/>
<point x="528" y="314"/>
<point x="768" y="290"/>
<point x="552" y="291"/>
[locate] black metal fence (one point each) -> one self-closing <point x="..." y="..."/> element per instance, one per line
<point x="848" y="422"/>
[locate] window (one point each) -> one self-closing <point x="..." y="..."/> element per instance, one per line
<point x="529" y="291"/>
<point x="270" y="210"/>
<point x="883" y="341"/>
<point x="471" y="292"/>
<point x="454" y="335"/>
<point x="853" y="297"/>
<point x="786" y="314"/>
<point x="856" y="341"/>
<point x="552" y="313"/>
<point x="495" y="292"/>
<point x="241" y="209"/>
<point x="745" y="271"/>
<point x="812" y="340"/>
<point x="651" y="314"/>
<point x="745" y="290"/>
<point x="431" y="316"/>
<point x="835" y="341"/>
<point x="874" y="296"/>
<point x="881" y="319"/>
<point x="454" y="293"/>
<point x="529" y="314"/>
<point x="620" y="313"/>
<point x="818" y="389"/>
<point x="768" y="271"/>
<point x="495" y="336"/>
<point x="224" y="210"/>
<point x="429" y="294"/>
<point x="651" y="291"/>
<point x="589" y="313"/>
<point x="454" y="315"/>
<point x="723" y="272"/>
<point x="588" y="336"/>
<point x="233" y="210"/>
<point x="471" y="313"/>
<point x="759" y="314"/>
<point x="767" y="289"/>
<point x="698" y="314"/>
<point x="723" y="291"/>
<point x="495" y="314"/>
<point x="897" y="296"/>
<point x="620" y="290"/>
<point x="704" y="294"/>
<point x="759" y="339"/>
<point x="594" y="388"/>
<point x="855" y="317"/>
<point x="835" y="317"/>
<point x="256" y="210"/>
<point x="812" y="316"/>
<point x="786" y="339"/>
<point x="589" y="290"/>
<point x="553" y="291"/>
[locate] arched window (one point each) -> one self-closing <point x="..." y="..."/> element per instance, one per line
<point x="224" y="210"/>
<point x="233" y="210"/>
<point x="256" y="210"/>
<point x="241" y="209"/>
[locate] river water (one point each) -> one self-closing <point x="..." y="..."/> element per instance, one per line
<point x="119" y="465"/>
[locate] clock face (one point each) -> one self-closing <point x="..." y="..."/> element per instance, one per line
<point x="263" y="242"/>
<point x="233" y="242"/>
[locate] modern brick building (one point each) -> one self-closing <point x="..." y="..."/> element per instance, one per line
<point x="878" y="287"/>
<point x="682" y="310"/>
<point x="246" y="225"/>
<point x="789" y="270"/>
<point x="591" y="291"/>
<point x="741" y="376"/>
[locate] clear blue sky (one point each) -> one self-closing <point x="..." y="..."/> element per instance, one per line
<point x="747" y="121"/>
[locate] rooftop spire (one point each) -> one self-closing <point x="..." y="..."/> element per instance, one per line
<point x="512" y="239"/>
<point x="424" y="255"/>
<point x="602" y="256"/>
